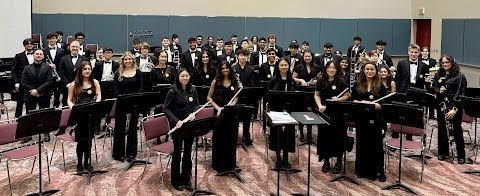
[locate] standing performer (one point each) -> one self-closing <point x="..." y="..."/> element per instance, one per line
<point x="21" y="60"/>
<point x="369" y="150"/>
<point x="180" y="103"/>
<point x="331" y="140"/>
<point x="37" y="80"/>
<point x="127" y="80"/>
<point x="85" y="89"/>
<point x="222" y="90"/>
<point x="449" y="85"/>
<point x="282" y="81"/>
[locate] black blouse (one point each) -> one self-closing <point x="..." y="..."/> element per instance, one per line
<point x="302" y="72"/>
<point x="222" y="95"/>
<point x="329" y="89"/>
<point x="202" y="78"/>
<point x="179" y="104"/>
<point x="368" y="96"/>
<point x="455" y="88"/>
<point x="129" y="85"/>
<point x="162" y="75"/>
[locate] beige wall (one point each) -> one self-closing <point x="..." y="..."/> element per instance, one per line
<point x="448" y="9"/>
<point x="279" y="8"/>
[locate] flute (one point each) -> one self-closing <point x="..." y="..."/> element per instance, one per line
<point x="187" y="119"/>
<point x="343" y="92"/>
<point x="386" y="96"/>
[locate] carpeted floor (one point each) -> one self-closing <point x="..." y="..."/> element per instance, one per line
<point x="440" y="178"/>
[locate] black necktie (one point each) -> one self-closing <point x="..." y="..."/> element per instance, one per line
<point x="413" y="62"/>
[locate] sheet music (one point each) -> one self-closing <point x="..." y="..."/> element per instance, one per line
<point x="281" y="117"/>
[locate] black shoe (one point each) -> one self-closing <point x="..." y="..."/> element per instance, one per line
<point x="461" y="161"/>
<point x="337" y="168"/>
<point x="392" y="149"/>
<point x="121" y="159"/>
<point x="247" y="142"/>
<point x="302" y="139"/>
<point x="442" y="157"/>
<point x="326" y="167"/>
<point x="178" y="187"/>
<point x="382" y="177"/>
<point x="88" y="167"/>
<point x="79" y="168"/>
<point x="187" y="186"/>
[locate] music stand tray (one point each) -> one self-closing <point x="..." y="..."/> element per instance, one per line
<point x="405" y="116"/>
<point x="195" y="129"/>
<point x="37" y="123"/>
<point x="78" y="114"/>
<point x="309" y="118"/>
<point x="472" y="108"/>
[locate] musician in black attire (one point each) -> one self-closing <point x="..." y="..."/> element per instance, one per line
<point x="176" y="43"/>
<point x="294" y="57"/>
<point x="60" y="43"/>
<point x="268" y="68"/>
<point x="20" y="61"/>
<point x="229" y="55"/>
<point x="353" y="52"/>
<point x="282" y="81"/>
<point x="306" y="72"/>
<point x="369" y="157"/>
<point x="384" y="56"/>
<point x="190" y="56"/>
<point x="53" y="54"/>
<point x="449" y="85"/>
<point x="272" y="43"/>
<point x="37" y="80"/>
<point x="104" y="71"/>
<point x="128" y="79"/>
<point x="248" y="78"/>
<point x="180" y="103"/>
<point x="425" y="58"/>
<point x="259" y="57"/>
<point x="136" y="47"/>
<point x="68" y="66"/>
<point x="345" y="69"/>
<point x="330" y="141"/>
<point x="222" y="90"/>
<point x="326" y="56"/>
<point x="169" y="49"/>
<point x="85" y="89"/>
<point x="204" y="70"/>
<point x="162" y="73"/>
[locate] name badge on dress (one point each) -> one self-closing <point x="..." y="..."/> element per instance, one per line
<point x="334" y="87"/>
<point x="190" y="99"/>
<point x="371" y="96"/>
<point x="207" y="76"/>
<point x="232" y="88"/>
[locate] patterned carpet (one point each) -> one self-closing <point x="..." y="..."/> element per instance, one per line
<point x="440" y="178"/>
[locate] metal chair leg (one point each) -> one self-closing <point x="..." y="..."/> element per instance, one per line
<point x="430" y="142"/>
<point x="48" y="165"/>
<point x="33" y="165"/>
<point x="53" y="151"/>
<point x="63" y="157"/>
<point x="161" y="167"/>
<point x="423" y="164"/>
<point x="145" y="166"/>
<point x="105" y="137"/>
<point x="9" y="183"/>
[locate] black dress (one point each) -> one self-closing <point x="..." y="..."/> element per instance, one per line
<point x="178" y="105"/>
<point x="369" y="156"/>
<point x="162" y="75"/>
<point x="303" y="73"/>
<point x="331" y="139"/>
<point x="81" y="133"/>
<point x="202" y="78"/>
<point x="223" y="153"/>
<point x="128" y="85"/>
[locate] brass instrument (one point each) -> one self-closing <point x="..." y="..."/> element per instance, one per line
<point x="176" y="58"/>
<point x="147" y="67"/>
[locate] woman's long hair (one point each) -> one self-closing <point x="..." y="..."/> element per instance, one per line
<point x="121" y="69"/>
<point x="389" y="77"/>
<point x="277" y="76"/>
<point x="219" y="78"/>
<point x="178" y="85"/>
<point x="454" y="70"/>
<point x="362" y="85"/>
<point x="337" y="78"/>
<point x="78" y="85"/>
<point x="199" y="63"/>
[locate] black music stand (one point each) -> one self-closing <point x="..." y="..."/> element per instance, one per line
<point x="274" y="123"/>
<point x="108" y="90"/>
<point x="250" y="96"/>
<point x="233" y="112"/>
<point x="472" y="108"/>
<point x="135" y="103"/>
<point x="264" y="85"/>
<point x="37" y="123"/>
<point x="347" y="109"/>
<point x="78" y="114"/>
<point x="195" y="129"/>
<point x="309" y="118"/>
<point x="404" y="116"/>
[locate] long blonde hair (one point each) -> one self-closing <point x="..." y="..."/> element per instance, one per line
<point x="122" y="65"/>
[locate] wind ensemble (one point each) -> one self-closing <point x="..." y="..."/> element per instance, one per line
<point x="226" y="71"/>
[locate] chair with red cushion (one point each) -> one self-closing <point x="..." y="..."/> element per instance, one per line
<point x="154" y="127"/>
<point x="7" y="137"/>
<point x="4" y="108"/>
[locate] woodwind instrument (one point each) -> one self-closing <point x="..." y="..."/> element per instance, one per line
<point x="343" y="92"/>
<point x="188" y="119"/>
<point x="176" y="58"/>
<point x="54" y="68"/>
<point x="384" y="97"/>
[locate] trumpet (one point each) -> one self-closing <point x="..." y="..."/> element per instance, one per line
<point x="176" y="58"/>
<point x="54" y="69"/>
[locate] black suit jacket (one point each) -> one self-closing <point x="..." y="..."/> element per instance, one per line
<point x="279" y="51"/>
<point x="186" y="60"/>
<point x="157" y="51"/>
<point x="431" y="62"/>
<point x="19" y="63"/>
<point x="254" y="58"/>
<point x="66" y="69"/>
<point x="223" y="57"/>
<point x="388" y="59"/>
<point x="265" y="74"/>
<point x="403" y="76"/>
<point x="86" y="55"/>
<point x="298" y="59"/>
<point x="360" y="50"/>
<point x="42" y="83"/>
<point x="179" y="47"/>
<point x="58" y="55"/>
<point x="98" y="69"/>
<point x="320" y="60"/>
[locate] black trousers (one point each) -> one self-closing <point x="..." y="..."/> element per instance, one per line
<point x="57" y="90"/>
<point x="41" y="102"/>
<point x="457" y="133"/>
<point x="64" y="90"/>
<point x="119" y="150"/>
<point x="181" y="177"/>
<point x="20" y="102"/>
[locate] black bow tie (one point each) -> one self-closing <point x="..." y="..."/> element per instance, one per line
<point x="108" y="62"/>
<point x="52" y="48"/>
<point x="29" y="53"/>
<point x="413" y="62"/>
<point x="263" y="53"/>
<point x="74" y="57"/>
<point x="142" y="57"/>
<point x="192" y="52"/>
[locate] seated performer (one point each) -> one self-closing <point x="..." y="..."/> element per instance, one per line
<point x="162" y="73"/>
<point x="180" y="103"/>
<point x="369" y="149"/>
<point x="222" y="90"/>
<point x="204" y="70"/>
<point x="282" y="81"/>
<point x="85" y="89"/>
<point x="331" y="140"/>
